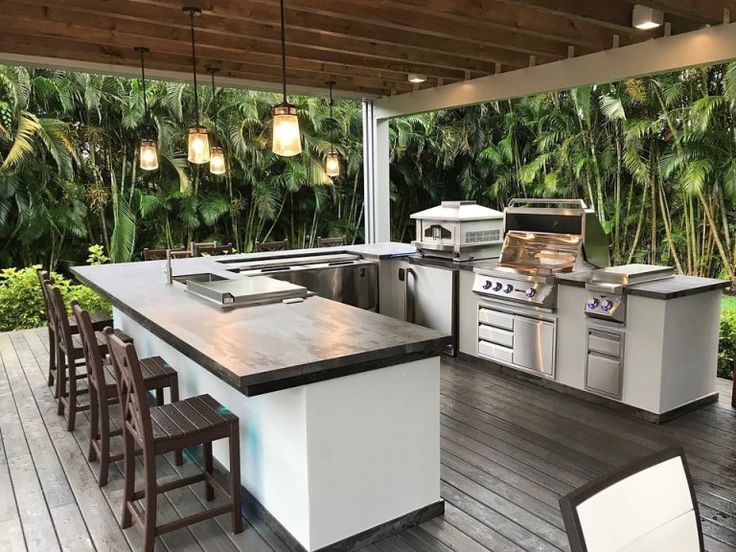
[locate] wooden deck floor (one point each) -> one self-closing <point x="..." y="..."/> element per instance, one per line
<point x="509" y="450"/>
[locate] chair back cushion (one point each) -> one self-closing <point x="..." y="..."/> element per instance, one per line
<point x="131" y="391"/>
<point x="648" y="505"/>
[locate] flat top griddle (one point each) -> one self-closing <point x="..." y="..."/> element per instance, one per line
<point x="243" y="292"/>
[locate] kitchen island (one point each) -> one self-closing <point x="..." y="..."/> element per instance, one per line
<point x="338" y="406"/>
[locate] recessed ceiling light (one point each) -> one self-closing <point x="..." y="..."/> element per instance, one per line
<point x="646" y="18"/>
<point x="416" y="78"/>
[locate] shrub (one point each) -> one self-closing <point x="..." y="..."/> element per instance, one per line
<point x="727" y="338"/>
<point x="21" y="302"/>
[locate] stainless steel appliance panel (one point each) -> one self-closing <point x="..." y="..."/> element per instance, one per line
<point x="497" y="353"/>
<point x="496" y="318"/>
<point x="496" y="335"/>
<point x="431" y="299"/>
<point x="354" y="284"/>
<point x="603" y="375"/>
<point x="534" y="345"/>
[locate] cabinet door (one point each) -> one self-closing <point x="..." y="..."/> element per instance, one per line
<point x="534" y="344"/>
<point x="603" y="375"/>
<point x="432" y="300"/>
<point x="392" y="288"/>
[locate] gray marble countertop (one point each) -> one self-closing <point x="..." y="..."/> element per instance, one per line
<point x="669" y="288"/>
<point x="264" y="348"/>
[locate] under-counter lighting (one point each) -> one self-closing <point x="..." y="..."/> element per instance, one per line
<point x="416" y="78"/>
<point x="646" y="18"/>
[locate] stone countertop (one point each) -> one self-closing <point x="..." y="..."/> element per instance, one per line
<point x="263" y="348"/>
<point x="669" y="288"/>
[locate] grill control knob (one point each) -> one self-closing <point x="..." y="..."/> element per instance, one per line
<point x="531" y="292"/>
<point x="592" y="303"/>
<point x="508" y="289"/>
<point x="487" y="285"/>
<point x="606" y="305"/>
<point x="497" y="286"/>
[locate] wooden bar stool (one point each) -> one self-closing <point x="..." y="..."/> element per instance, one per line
<point x="161" y="429"/>
<point x="99" y="320"/>
<point x="331" y="242"/>
<point x="69" y="358"/>
<point x="200" y="250"/>
<point x="103" y="392"/>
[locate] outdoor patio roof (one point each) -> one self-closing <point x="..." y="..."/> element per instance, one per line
<point x="367" y="47"/>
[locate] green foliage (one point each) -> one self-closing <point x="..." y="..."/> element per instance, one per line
<point x="97" y="255"/>
<point x="21" y="301"/>
<point x="727" y="341"/>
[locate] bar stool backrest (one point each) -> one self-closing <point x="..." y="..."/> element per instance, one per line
<point x="92" y="358"/>
<point x="282" y="245"/>
<point x="331" y="242"/>
<point x="646" y="506"/>
<point x="205" y="249"/>
<point x="133" y="404"/>
<point x="43" y="277"/>
<point x="60" y="316"/>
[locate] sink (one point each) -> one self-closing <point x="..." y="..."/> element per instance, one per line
<point x="202" y="277"/>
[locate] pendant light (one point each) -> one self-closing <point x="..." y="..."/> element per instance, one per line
<point x="332" y="161"/>
<point x="148" y="153"/>
<point x="286" y="140"/>
<point x="199" y="145"/>
<point x="217" y="154"/>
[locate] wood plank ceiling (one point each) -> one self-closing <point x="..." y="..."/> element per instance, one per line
<point x="365" y="46"/>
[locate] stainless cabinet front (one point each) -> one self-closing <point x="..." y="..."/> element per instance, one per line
<point x="534" y="345"/>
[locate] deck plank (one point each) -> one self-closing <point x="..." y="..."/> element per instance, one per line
<point x="510" y="449"/>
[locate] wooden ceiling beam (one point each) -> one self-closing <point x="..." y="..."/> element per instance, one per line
<point x="502" y="15"/>
<point x="703" y="11"/>
<point x="417" y="47"/>
<point x="64" y="49"/>
<point x="614" y="14"/>
<point x="336" y="17"/>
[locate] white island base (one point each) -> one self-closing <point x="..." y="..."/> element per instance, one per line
<point x="331" y="459"/>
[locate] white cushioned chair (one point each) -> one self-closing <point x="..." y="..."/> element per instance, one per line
<point x="646" y="506"/>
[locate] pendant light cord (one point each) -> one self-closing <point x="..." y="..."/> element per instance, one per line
<point x="283" y="48"/>
<point x="194" y="65"/>
<point x="332" y="141"/>
<point x="214" y="104"/>
<point x="143" y="82"/>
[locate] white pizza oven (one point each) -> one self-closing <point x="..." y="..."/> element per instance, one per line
<point x="460" y="230"/>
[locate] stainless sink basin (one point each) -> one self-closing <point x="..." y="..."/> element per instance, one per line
<point x="202" y="277"/>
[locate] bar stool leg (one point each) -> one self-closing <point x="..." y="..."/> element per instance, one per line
<point x="149" y="523"/>
<point x="72" y="379"/>
<point x="209" y="491"/>
<point x="104" y="446"/>
<point x="52" y="356"/>
<point x="174" y="392"/>
<point x="60" y="381"/>
<point x="94" y="422"/>
<point x="159" y="396"/>
<point x="234" y="444"/>
<point x="126" y="520"/>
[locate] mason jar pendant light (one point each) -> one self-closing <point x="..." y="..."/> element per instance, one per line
<point x="148" y="153"/>
<point x="332" y="161"/>
<point x="286" y="140"/>
<point x="217" y="154"/>
<point x="199" y="145"/>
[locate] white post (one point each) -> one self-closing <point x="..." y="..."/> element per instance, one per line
<point x="376" y="180"/>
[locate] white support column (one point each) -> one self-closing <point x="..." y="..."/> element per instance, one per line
<point x="376" y="180"/>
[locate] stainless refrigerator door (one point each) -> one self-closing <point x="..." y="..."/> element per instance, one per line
<point x="432" y="299"/>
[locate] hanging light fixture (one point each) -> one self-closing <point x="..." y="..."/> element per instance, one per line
<point x="332" y="161"/>
<point x="217" y="154"/>
<point x="148" y="153"/>
<point x="286" y="140"/>
<point x="199" y="145"/>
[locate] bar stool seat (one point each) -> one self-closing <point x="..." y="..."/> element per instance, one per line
<point x="190" y="422"/>
<point x="78" y="351"/>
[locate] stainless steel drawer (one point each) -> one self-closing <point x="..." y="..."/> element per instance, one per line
<point x="495" y="352"/>
<point x="496" y="318"/>
<point x="496" y="335"/>
<point x="603" y="375"/>
<point x="604" y="342"/>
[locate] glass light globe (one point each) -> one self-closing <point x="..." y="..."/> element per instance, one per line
<point x="199" y="145"/>
<point x="286" y="138"/>
<point x="217" y="161"/>
<point x="148" y="156"/>
<point x="332" y="164"/>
